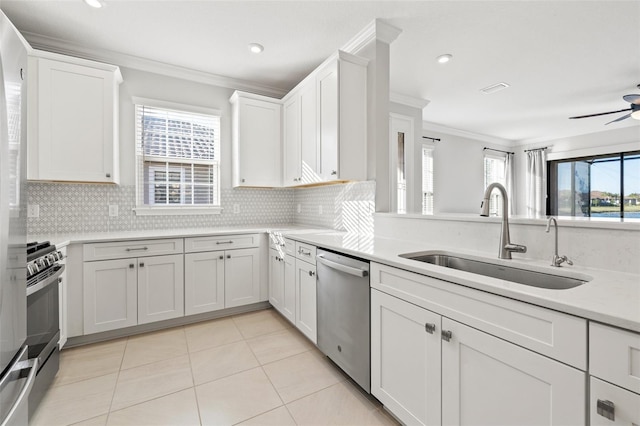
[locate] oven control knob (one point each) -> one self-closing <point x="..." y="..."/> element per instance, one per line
<point x="30" y="270"/>
<point x="41" y="264"/>
<point x="59" y="255"/>
<point x="34" y="267"/>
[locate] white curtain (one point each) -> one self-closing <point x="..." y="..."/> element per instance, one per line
<point x="510" y="177"/>
<point x="536" y="182"/>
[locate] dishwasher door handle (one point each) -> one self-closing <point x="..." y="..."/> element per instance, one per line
<point x="344" y="268"/>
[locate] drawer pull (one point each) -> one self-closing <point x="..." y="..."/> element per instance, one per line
<point x="446" y="335"/>
<point x="606" y="409"/>
<point x="142" y="264"/>
<point x="304" y="253"/>
<point x="137" y="248"/>
<point x="430" y="328"/>
<point x="131" y="266"/>
<point x="224" y="242"/>
<point x="221" y="257"/>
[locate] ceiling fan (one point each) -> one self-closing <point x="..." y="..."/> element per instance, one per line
<point x="634" y="101"/>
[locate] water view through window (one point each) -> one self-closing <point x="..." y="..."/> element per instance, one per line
<point x="602" y="186"/>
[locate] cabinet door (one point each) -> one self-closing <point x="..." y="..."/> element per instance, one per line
<point x="203" y="282"/>
<point x="327" y="92"/>
<point x="75" y="123"/>
<point x="241" y="277"/>
<point x="110" y="298"/>
<point x="160" y="288"/>
<point x="309" y="147"/>
<point x="258" y="145"/>
<point x="289" y="298"/>
<point x="611" y="405"/>
<point x="306" y="308"/>
<point x="63" y="302"/>
<point x="276" y="279"/>
<point x="487" y="380"/>
<point x="291" y="141"/>
<point x="405" y="359"/>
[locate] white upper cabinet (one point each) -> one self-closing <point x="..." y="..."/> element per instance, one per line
<point x="256" y="140"/>
<point x="325" y="119"/>
<point x="72" y="119"/>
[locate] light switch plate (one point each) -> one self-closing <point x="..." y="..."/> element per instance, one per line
<point x="33" y="210"/>
<point x="113" y="210"/>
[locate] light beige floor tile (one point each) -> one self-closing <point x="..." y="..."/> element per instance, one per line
<point x="95" y="421"/>
<point x="68" y="404"/>
<point x="301" y="375"/>
<point x="278" y="417"/>
<point x="216" y="363"/>
<point x="89" y="361"/>
<point x="153" y="347"/>
<point x="340" y="404"/>
<point x="236" y="398"/>
<point x="210" y="334"/>
<point x="279" y="345"/>
<point x="260" y="322"/>
<point x="178" y="408"/>
<point x="149" y="381"/>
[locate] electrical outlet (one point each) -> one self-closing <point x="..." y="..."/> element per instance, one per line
<point x="33" y="210"/>
<point x="299" y="208"/>
<point x="236" y="209"/>
<point x="319" y="209"/>
<point x="113" y="210"/>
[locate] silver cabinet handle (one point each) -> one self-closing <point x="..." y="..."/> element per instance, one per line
<point x="447" y="335"/>
<point x="430" y="328"/>
<point x="131" y="265"/>
<point x="137" y="248"/>
<point x="606" y="409"/>
<point x="344" y="268"/>
<point x="142" y="264"/>
<point x="304" y="253"/>
<point x="228" y="256"/>
<point x="108" y="175"/>
<point x="221" y="257"/>
<point x="333" y="173"/>
<point x="224" y="242"/>
<point x="311" y="273"/>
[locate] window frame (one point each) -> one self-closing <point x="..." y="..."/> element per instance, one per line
<point x="142" y="209"/>
<point x="430" y="149"/>
<point x="495" y="200"/>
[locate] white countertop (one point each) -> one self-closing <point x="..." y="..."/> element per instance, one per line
<point x="609" y="297"/>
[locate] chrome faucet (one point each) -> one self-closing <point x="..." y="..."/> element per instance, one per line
<point x="505" y="249"/>
<point x="557" y="260"/>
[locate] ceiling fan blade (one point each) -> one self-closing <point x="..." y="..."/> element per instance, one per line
<point x="619" y="118"/>
<point x="632" y="99"/>
<point x="601" y="113"/>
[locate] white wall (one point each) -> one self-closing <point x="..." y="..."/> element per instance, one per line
<point x="155" y="86"/>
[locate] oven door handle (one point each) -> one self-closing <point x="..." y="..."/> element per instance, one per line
<point x="26" y="389"/>
<point x="49" y="280"/>
<point x="343" y="268"/>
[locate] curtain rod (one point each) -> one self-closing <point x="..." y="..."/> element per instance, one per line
<point x="497" y="150"/>
<point x="537" y="149"/>
<point x="433" y="139"/>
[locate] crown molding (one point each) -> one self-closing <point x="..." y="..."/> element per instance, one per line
<point x="408" y="100"/>
<point x="376" y="30"/>
<point x="55" y="45"/>
<point x="426" y="125"/>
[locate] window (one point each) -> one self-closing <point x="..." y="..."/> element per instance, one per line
<point x="598" y="186"/>
<point x="401" y="177"/>
<point x="494" y="171"/>
<point x="177" y="156"/>
<point x="427" y="179"/>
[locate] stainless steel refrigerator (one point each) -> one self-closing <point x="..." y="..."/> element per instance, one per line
<point x="17" y="373"/>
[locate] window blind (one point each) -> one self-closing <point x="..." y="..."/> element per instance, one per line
<point x="494" y="171"/>
<point x="427" y="180"/>
<point x="177" y="157"/>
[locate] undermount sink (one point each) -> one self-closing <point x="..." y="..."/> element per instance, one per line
<point x="500" y="271"/>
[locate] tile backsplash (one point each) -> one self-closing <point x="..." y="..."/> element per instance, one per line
<point x="84" y="208"/>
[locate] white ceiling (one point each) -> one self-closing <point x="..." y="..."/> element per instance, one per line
<point x="560" y="58"/>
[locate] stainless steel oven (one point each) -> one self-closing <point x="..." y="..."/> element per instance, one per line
<point x="43" y="316"/>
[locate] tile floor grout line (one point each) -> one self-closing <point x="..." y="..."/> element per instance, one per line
<point x="113" y="395"/>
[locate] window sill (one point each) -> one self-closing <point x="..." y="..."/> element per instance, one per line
<point x="176" y="211"/>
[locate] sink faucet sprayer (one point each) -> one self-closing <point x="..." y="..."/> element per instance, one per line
<point x="505" y="249"/>
<point x="557" y="260"/>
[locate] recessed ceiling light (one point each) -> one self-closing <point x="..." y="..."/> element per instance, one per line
<point x="443" y="59"/>
<point x="94" y="3"/>
<point x="494" y="88"/>
<point x="256" y="48"/>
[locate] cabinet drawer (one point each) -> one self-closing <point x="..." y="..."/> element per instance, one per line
<point x="614" y="355"/>
<point x="554" y="334"/>
<point x="306" y="252"/>
<point x="289" y="247"/>
<point x="220" y="242"/>
<point x="126" y="249"/>
<point x="624" y="405"/>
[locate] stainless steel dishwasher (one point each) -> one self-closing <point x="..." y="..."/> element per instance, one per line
<point x="343" y="314"/>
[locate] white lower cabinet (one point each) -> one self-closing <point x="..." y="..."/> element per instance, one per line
<point x="289" y="297"/>
<point x="305" y="288"/>
<point x="276" y="279"/>
<point x="203" y="282"/>
<point x="611" y="405"/>
<point x="430" y="369"/>
<point x="241" y="277"/>
<point x="160" y="288"/>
